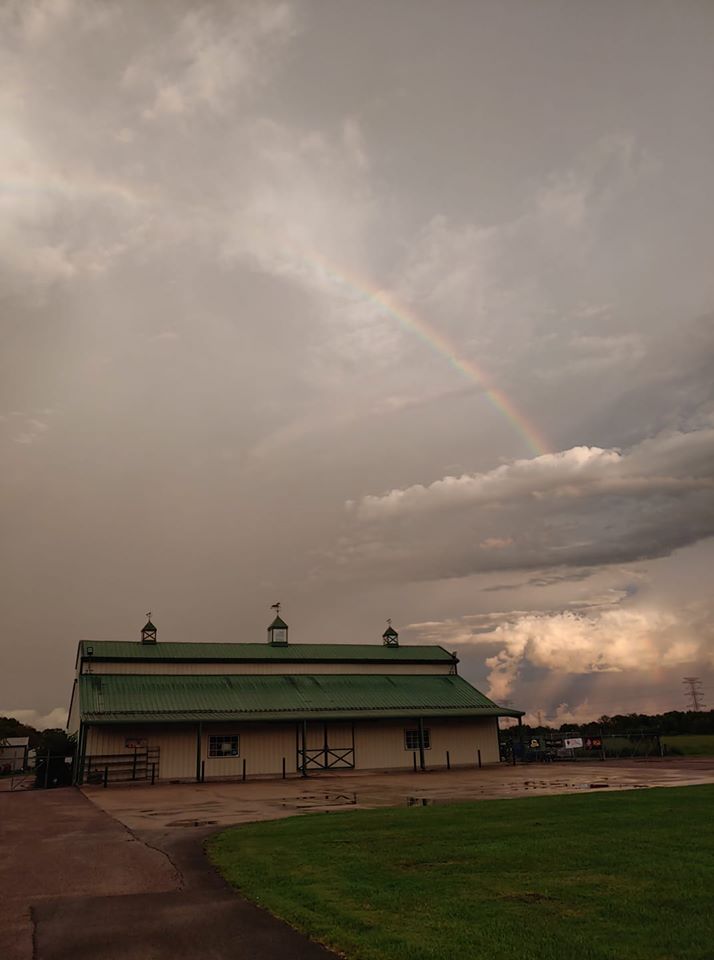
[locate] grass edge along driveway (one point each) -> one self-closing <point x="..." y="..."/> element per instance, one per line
<point x="620" y="876"/>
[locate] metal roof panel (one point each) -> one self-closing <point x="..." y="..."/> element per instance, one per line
<point x="256" y="652"/>
<point x="128" y="697"/>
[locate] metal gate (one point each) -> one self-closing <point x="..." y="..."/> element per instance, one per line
<point x="332" y="758"/>
<point x="327" y="756"/>
<point x="117" y="767"/>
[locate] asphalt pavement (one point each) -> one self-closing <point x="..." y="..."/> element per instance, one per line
<point x="76" y="884"/>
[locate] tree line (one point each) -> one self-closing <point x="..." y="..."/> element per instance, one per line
<point x="52" y="740"/>
<point x="669" y="724"/>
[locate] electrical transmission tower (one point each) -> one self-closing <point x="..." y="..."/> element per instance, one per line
<point x="694" y="692"/>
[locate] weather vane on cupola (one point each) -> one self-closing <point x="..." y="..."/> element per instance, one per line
<point x="390" y="637"/>
<point x="278" y="629"/>
<point x="148" y="633"/>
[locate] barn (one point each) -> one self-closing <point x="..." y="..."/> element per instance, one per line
<point x="198" y="711"/>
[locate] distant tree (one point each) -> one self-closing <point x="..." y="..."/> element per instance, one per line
<point x="10" y="727"/>
<point x="56" y="742"/>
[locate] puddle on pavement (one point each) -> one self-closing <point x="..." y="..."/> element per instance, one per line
<point x="191" y="823"/>
<point x="322" y="800"/>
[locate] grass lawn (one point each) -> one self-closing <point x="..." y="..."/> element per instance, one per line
<point x="622" y="876"/>
<point x="692" y="745"/>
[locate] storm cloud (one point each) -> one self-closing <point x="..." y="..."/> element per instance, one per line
<point x="261" y="260"/>
<point x="580" y="507"/>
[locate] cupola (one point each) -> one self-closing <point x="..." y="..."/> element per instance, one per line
<point x="278" y="629"/>
<point x="148" y="631"/>
<point x="390" y="637"/>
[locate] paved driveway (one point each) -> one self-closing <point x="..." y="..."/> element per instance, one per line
<point x="77" y="885"/>
<point x="57" y="844"/>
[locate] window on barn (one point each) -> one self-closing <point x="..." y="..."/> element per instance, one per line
<point x="411" y="739"/>
<point x="224" y="746"/>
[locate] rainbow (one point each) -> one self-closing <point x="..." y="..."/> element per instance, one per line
<point x="437" y="341"/>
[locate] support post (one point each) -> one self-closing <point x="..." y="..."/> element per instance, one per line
<point x="133" y="766"/>
<point x="199" y="737"/>
<point x="448" y="761"/>
<point x="414" y="759"/>
<point x="520" y="735"/>
<point x="153" y="773"/>
<point x="283" y="768"/>
<point x="203" y="771"/>
<point x="478" y="755"/>
<point x="422" y="765"/>
<point x="304" y="748"/>
<point x="83" y="753"/>
<point x="77" y="756"/>
<point x="243" y="768"/>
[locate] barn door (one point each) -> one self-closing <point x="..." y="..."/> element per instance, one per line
<point x="324" y="746"/>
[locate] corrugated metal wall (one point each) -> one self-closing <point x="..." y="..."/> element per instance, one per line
<point x="262" y="746"/>
<point x="176" y="743"/>
<point x="379" y="745"/>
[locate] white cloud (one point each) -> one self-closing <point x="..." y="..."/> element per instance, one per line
<point x="579" y="508"/>
<point x="55" y="719"/>
<point x="604" y="636"/>
<point x="32" y="430"/>
<point x="208" y="60"/>
<point x="612" y="641"/>
<point x="670" y="463"/>
<point x="496" y="543"/>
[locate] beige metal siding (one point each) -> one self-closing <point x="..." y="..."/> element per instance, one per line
<point x="177" y="746"/>
<point x="226" y="668"/>
<point x="381" y="745"/>
<point x="463" y="739"/>
<point x="262" y="746"/>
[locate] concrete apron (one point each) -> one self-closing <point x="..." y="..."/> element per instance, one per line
<point x="163" y="808"/>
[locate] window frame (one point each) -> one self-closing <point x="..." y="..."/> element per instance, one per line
<point x="416" y="738"/>
<point x="222" y="738"/>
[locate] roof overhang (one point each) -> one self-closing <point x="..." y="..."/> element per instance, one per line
<point x="222" y="716"/>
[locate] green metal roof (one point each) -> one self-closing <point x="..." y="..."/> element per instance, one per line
<point x="255" y="652"/>
<point x="113" y="698"/>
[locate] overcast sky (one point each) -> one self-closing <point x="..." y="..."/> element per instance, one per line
<point x="396" y="309"/>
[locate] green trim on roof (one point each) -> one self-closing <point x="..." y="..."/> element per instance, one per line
<point x="257" y="652"/>
<point x="130" y="698"/>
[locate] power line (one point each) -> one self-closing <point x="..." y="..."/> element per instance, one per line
<point x="694" y="693"/>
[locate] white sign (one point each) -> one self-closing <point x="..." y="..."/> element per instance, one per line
<point x="573" y="743"/>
